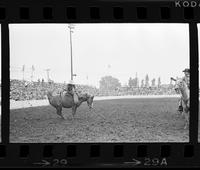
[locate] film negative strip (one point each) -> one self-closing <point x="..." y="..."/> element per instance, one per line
<point x="100" y="83"/>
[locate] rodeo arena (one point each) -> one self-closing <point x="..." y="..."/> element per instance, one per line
<point x="136" y="112"/>
<point x="143" y="109"/>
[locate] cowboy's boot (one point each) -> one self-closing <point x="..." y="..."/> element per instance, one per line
<point x="180" y="108"/>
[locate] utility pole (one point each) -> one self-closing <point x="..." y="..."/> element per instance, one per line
<point x="71" y="27"/>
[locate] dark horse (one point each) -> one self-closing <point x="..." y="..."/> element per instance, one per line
<point x="66" y="100"/>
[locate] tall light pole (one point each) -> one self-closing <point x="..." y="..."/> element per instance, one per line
<point x="71" y="27"/>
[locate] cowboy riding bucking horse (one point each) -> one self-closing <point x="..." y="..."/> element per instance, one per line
<point x="71" y="89"/>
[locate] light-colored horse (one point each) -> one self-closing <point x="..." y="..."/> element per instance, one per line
<point x="182" y="88"/>
<point x="64" y="100"/>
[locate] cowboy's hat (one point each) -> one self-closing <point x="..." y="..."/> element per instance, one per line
<point x="71" y="82"/>
<point x="186" y="70"/>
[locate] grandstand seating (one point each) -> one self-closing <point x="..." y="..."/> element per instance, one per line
<point x="20" y="90"/>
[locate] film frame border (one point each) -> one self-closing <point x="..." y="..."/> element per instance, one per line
<point x="99" y="154"/>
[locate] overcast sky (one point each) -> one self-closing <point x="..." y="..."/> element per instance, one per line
<point x="119" y="50"/>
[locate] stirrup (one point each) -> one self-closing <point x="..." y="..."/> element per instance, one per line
<point x="180" y="108"/>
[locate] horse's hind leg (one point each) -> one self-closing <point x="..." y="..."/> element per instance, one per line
<point x="59" y="112"/>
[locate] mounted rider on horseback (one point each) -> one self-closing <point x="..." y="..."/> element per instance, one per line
<point x="186" y="79"/>
<point x="71" y="89"/>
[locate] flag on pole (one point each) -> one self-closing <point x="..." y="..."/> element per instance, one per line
<point x="33" y="69"/>
<point x="23" y="68"/>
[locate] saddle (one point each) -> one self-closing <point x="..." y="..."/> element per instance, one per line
<point x="74" y="96"/>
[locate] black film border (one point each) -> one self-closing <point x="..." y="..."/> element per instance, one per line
<point x="100" y="154"/>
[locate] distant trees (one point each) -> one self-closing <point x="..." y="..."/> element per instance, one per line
<point x="142" y="83"/>
<point x="109" y="83"/>
<point x="130" y="82"/>
<point x="147" y="81"/>
<point x="153" y="82"/>
<point x="159" y="82"/>
<point x="133" y="82"/>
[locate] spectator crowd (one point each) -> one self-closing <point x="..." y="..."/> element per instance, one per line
<point x="23" y="90"/>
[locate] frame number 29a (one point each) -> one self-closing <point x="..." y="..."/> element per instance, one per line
<point x="155" y="162"/>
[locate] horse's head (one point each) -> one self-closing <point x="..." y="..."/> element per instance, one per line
<point x="90" y="101"/>
<point x="88" y="98"/>
<point x="180" y="85"/>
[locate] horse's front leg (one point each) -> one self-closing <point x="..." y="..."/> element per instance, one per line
<point x="59" y="111"/>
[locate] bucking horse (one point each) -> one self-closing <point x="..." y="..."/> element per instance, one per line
<point x="182" y="88"/>
<point x="65" y="100"/>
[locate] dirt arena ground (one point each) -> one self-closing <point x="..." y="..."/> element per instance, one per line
<point x="116" y="120"/>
